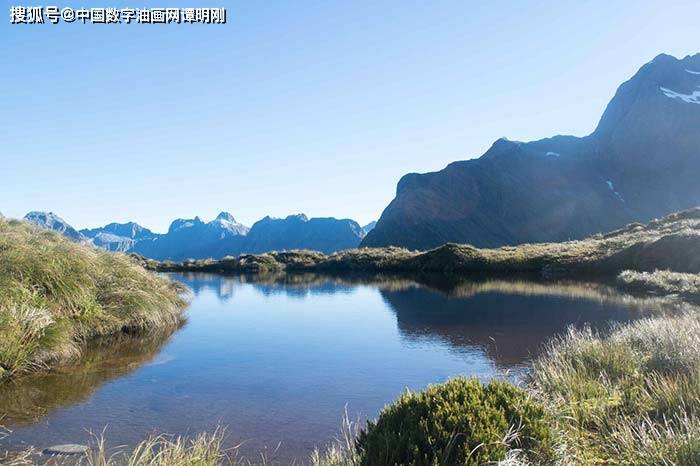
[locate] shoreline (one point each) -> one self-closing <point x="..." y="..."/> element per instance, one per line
<point x="670" y="243"/>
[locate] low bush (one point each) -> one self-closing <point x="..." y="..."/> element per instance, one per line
<point x="461" y="422"/>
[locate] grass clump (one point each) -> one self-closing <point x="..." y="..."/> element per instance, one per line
<point x="461" y="422"/>
<point x="55" y="293"/>
<point x="202" y="450"/>
<point x="662" y="282"/>
<point x="632" y="397"/>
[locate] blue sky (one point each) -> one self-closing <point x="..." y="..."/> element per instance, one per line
<point x="310" y="106"/>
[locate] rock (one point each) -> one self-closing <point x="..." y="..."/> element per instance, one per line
<point x="66" y="449"/>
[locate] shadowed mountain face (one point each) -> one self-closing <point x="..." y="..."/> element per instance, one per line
<point x="640" y="163"/>
<point x="192" y="238"/>
<point x="298" y="232"/>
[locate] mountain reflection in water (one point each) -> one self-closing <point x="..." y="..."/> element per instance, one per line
<point x="277" y="358"/>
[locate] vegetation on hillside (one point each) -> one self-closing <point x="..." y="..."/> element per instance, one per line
<point x="669" y="243"/>
<point x="56" y="294"/>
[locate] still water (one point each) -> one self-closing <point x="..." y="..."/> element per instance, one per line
<point x="277" y="360"/>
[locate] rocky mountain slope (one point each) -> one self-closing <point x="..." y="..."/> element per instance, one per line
<point x="51" y="221"/>
<point x="641" y="162"/>
<point x="369" y="227"/>
<point x="121" y="237"/>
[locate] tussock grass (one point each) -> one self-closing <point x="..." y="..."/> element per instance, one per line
<point x="342" y="451"/>
<point x="632" y="397"/>
<point x="162" y="450"/>
<point x="55" y="294"/>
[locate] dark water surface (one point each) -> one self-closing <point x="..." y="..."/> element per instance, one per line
<point x="278" y="359"/>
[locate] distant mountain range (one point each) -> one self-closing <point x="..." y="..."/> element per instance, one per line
<point x="641" y="162"/>
<point x="223" y="236"/>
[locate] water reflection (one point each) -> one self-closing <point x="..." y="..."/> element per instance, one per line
<point x="510" y="319"/>
<point x="30" y="398"/>
<point x="510" y="326"/>
<point x="276" y="358"/>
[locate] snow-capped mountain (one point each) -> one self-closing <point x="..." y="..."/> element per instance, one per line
<point x="194" y="238"/>
<point x="51" y="221"/>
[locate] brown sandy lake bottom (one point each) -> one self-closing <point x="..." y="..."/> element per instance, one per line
<point x="276" y="360"/>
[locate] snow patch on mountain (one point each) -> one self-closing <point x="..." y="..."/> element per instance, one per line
<point x="693" y="98"/>
<point x="612" y="188"/>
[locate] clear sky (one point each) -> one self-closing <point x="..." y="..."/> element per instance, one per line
<point x="310" y="106"/>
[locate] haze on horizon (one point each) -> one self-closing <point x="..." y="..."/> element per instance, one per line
<point x="314" y="107"/>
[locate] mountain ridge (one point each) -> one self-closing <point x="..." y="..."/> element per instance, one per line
<point x="193" y="238"/>
<point x="636" y="165"/>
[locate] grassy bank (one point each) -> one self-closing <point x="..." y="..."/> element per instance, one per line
<point x="662" y="283"/>
<point x="55" y="294"/>
<point x="669" y="243"/>
<point x="632" y="398"/>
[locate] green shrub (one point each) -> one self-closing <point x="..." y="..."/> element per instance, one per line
<point x="461" y="422"/>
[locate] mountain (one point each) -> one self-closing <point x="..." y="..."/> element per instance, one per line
<point x="641" y="162"/>
<point x="118" y="237"/>
<point x="299" y="232"/>
<point x="193" y="238"/>
<point x="369" y="227"/>
<point x="126" y="230"/>
<point x="51" y="221"/>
